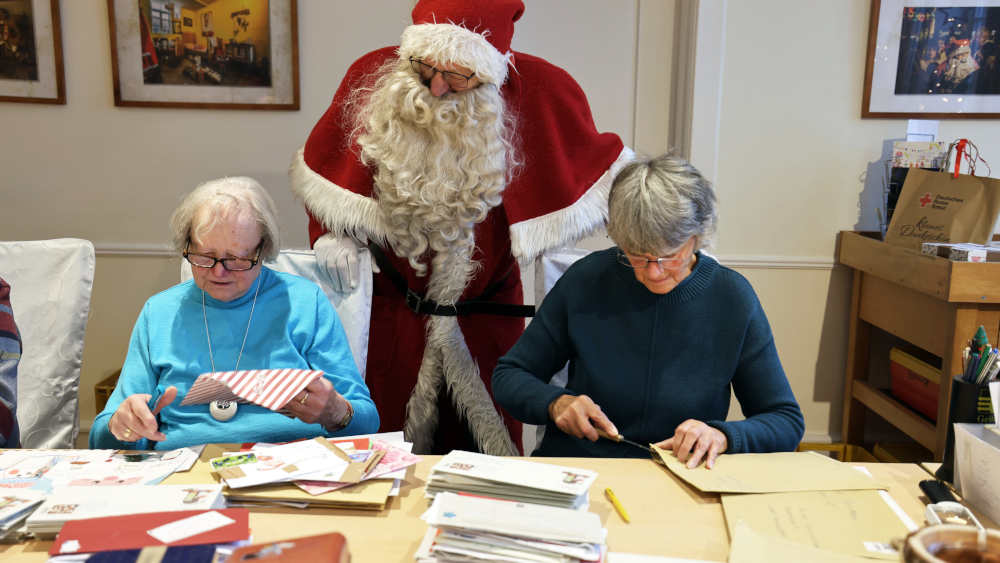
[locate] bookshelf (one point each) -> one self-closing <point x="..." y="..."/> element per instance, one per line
<point x="930" y="302"/>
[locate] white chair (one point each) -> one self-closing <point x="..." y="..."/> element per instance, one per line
<point x="549" y="267"/>
<point x="354" y="309"/>
<point x="51" y="282"/>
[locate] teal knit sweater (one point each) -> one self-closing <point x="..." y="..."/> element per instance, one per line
<point x="651" y="361"/>
<point x="293" y="326"/>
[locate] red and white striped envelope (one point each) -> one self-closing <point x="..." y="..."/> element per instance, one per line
<point x="270" y="388"/>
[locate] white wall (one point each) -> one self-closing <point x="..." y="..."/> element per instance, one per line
<point x="113" y="175"/>
<point x="777" y="127"/>
<point x="791" y="158"/>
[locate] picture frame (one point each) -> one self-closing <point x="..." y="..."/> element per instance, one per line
<point x="31" y="56"/>
<point x="933" y="59"/>
<point x="252" y="63"/>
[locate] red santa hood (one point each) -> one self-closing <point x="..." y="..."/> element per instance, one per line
<point x="471" y="33"/>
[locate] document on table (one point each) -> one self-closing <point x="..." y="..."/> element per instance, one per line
<point x="770" y="473"/>
<point x="276" y="464"/>
<point x="977" y="457"/>
<point x="853" y="522"/>
<point x="747" y="546"/>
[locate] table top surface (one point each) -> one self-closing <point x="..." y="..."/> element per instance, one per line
<point x="668" y="517"/>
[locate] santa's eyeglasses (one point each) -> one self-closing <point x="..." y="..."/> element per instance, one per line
<point x="456" y="80"/>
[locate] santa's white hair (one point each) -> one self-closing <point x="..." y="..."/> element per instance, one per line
<point x="441" y="164"/>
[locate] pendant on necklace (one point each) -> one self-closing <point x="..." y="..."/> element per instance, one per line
<point x="222" y="410"/>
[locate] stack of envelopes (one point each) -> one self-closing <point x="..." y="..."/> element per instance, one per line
<point x="308" y="473"/>
<point x="512" y="479"/>
<point x="72" y="503"/>
<point x="468" y="528"/>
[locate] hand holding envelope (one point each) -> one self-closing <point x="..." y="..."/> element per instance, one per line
<point x="269" y="388"/>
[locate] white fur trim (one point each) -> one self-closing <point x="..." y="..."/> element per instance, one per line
<point x="339" y="210"/>
<point x="532" y="237"/>
<point x="447" y="42"/>
<point x="421" y="408"/>
<point x="447" y="358"/>
<point x="468" y="392"/>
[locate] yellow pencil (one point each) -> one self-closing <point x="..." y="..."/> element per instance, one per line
<point x="618" y="506"/>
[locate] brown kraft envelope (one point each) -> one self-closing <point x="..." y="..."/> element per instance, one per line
<point x="356" y="470"/>
<point x="937" y="207"/>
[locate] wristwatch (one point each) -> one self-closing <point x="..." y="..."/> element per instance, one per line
<point x="346" y="419"/>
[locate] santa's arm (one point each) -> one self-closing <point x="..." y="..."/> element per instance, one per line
<point x="327" y="174"/>
<point x="532" y="237"/>
<point x="560" y="195"/>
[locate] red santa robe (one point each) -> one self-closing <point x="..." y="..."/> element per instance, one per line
<point x="559" y="196"/>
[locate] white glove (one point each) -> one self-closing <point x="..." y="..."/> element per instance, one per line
<point x="338" y="256"/>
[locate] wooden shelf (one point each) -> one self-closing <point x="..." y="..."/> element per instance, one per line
<point x="882" y="404"/>
<point x="930" y="302"/>
<point x="937" y="277"/>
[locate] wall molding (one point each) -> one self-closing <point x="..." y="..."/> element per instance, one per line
<point x="746" y="261"/>
<point x="772" y="262"/>
<point x="138" y="250"/>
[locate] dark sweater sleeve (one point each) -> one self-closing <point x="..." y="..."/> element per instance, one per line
<point x="521" y="378"/>
<point x="774" y="421"/>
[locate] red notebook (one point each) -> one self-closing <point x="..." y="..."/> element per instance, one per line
<point x="131" y="531"/>
<point x="324" y="547"/>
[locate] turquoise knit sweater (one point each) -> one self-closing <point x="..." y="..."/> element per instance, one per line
<point x="652" y="361"/>
<point x="293" y="326"/>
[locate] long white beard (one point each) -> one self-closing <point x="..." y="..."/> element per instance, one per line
<point x="441" y="165"/>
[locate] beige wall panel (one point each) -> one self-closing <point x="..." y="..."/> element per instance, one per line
<point x="113" y="175"/>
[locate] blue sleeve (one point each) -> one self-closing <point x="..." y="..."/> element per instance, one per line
<point x="329" y="351"/>
<point x="10" y="356"/>
<point x="774" y="421"/>
<point x="521" y="377"/>
<point x="137" y="376"/>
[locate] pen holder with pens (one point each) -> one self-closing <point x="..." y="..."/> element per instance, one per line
<point x="969" y="403"/>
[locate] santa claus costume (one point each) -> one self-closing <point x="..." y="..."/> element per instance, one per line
<point x="540" y="182"/>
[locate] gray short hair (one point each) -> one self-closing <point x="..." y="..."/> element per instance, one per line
<point x="657" y="204"/>
<point x="225" y="197"/>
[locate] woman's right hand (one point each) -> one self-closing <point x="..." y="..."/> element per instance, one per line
<point x="579" y="415"/>
<point x="133" y="420"/>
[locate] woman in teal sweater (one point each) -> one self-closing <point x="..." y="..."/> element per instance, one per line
<point x="234" y="314"/>
<point x="656" y="334"/>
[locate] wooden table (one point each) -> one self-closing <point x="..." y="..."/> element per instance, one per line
<point x="668" y="516"/>
<point x="930" y="302"/>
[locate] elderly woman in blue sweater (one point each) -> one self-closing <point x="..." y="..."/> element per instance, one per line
<point x="656" y="333"/>
<point x="234" y="314"/>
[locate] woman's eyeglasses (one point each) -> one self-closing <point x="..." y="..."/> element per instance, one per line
<point x="230" y="264"/>
<point x="669" y="262"/>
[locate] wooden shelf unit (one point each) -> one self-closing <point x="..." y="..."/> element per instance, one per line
<point x="930" y="302"/>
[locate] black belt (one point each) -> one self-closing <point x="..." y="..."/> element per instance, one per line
<point x="421" y="305"/>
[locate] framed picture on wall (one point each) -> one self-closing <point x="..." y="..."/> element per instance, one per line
<point x="166" y="53"/>
<point x="933" y="59"/>
<point x="31" y="60"/>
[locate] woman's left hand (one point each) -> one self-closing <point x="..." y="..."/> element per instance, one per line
<point x="694" y="440"/>
<point x="308" y="404"/>
<point x="318" y="402"/>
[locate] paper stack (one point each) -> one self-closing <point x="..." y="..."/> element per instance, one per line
<point x="72" y="503"/>
<point x="15" y="506"/>
<point x="513" y="479"/>
<point x="468" y="528"/>
<point x="276" y="464"/>
<point x="136" y="531"/>
<point x="350" y="472"/>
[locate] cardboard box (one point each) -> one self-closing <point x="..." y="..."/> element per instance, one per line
<point x="914" y="382"/>
<point x="961" y="251"/>
<point x="977" y="456"/>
